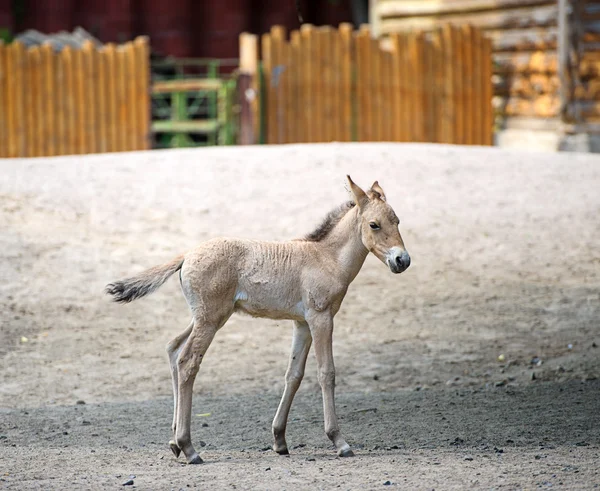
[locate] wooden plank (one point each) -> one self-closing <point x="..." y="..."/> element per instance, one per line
<point x="81" y="108"/>
<point x="435" y="7"/>
<point x="334" y="87"/>
<point x="458" y="73"/>
<point x="438" y="99"/>
<point x="121" y="84"/>
<point x="295" y="126"/>
<point x="376" y="90"/>
<point x="449" y="113"/>
<point x="112" y="106"/>
<point x="102" y="85"/>
<point x="60" y="85"/>
<point x="319" y="121"/>
<point x="49" y="99"/>
<point x="201" y="127"/>
<point x="123" y="91"/>
<point x="518" y="18"/>
<point x="19" y="76"/>
<point x="488" y="115"/>
<point x="395" y="87"/>
<point x="477" y="101"/>
<point x="4" y="138"/>
<point x="415" y="52"/>
<point x="69" y="115"/>
<point x="469" y="87"/>
<point x="404" y="76"/>
<point x="29" y="103"/>
<point x="278" y="34"/>
<point x="427" y="87"/>
<point x="133" y="121"/>
<point x="37" y="109"/>
<point x="286" y="83"/>
<point x="269" y="113"/>
<point x="11" y="102"/>
<point x="346" y="92"/>
<point x="526" y="39"/>
<point x="363" y="120"/>
<point x="142" y="88"/>
<point x="250" y="99"/>
<point x="187" y="85"/>
<point x="326" y="98"/>
<point x="308" y="52"/>
<point x="388" y="98"/>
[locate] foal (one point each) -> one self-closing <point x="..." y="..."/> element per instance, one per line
<point x="302" y="280"/>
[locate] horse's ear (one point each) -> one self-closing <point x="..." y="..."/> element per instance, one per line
<point x="360" y="197"/>
<point x="377" y="188"/>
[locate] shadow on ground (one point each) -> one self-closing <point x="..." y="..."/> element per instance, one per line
<point x="538" y="422"/>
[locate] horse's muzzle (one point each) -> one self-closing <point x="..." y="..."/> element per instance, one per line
<point x="399" y="262"/>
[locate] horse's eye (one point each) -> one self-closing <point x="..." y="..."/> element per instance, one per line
<point x="374" y="226"/>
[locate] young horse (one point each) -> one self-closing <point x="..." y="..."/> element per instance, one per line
<point x="302" y="280"/>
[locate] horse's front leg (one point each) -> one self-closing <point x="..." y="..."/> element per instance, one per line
<point x="301" y="342"/>
<point x="321" y="328"/>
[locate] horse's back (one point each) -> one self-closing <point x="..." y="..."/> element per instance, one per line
<point x="263" y="279"/>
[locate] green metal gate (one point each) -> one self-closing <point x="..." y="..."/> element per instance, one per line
<point x="194" y="102"/>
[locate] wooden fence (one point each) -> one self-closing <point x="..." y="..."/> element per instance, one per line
<point x="546" y="54"/>
<point x="75" y="101"/>
<point x="327" y="84"/>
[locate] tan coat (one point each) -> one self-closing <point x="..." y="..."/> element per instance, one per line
<point x="302" y="280"/>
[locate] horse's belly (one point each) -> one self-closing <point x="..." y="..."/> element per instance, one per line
<point x="268" y="308"/>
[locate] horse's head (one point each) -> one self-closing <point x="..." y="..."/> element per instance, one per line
<point x="379" y="227"/>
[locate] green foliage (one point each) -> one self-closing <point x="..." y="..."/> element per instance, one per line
<point x="5" y="35"/>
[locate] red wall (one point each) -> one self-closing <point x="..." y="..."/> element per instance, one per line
<point x="197" y="28"/>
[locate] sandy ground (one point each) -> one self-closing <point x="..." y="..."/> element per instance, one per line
<point x="505" y="261"/>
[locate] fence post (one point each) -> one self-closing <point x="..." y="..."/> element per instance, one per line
<point x="488" y="120"/>
<point x="249" y="93"/>
<point x="364" y="119"/>
<point x="142" y="63"/>
<point x="449" y="108"/>
<point x="19" y="63"/>
<point x="293" y="88"/>
<point x="346" y="90"/>
<point x="307" y="54"/>
<point x="468" y="49"/>
<point x="3" y="103"/>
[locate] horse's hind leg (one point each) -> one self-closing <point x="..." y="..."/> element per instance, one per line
<point x="188" y="364"/>
<point x="173" y="350"/>
<point x="301" y="342"/>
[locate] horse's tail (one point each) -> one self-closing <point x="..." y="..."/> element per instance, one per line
<point x="144" y="283"/>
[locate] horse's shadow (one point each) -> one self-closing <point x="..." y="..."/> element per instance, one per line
<point x="546" y="415"/>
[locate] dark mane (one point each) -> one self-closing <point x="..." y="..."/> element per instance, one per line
<point x="329" y="222"/>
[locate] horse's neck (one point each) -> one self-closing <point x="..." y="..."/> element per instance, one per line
<point x="344" y="244"/>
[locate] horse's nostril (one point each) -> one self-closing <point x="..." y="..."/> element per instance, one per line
<point x="403" y="261"/>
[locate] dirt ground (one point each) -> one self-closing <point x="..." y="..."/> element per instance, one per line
<point x="478" y="367"/>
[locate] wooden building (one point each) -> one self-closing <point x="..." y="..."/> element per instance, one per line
<point x="546" y="62"/>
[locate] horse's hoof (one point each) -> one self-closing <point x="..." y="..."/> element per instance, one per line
<point x="281" y="451"/>
<point x="346" y="452"/>
<point x="195" y="459"/>
<point x="174" y="448"/>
